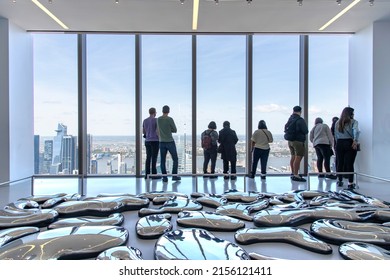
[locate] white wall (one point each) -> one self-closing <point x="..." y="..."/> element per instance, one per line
<point x="369" y="85"/>
<point x="21" y="103"/>
<point x="4" y="102"/>
<point x="16" y="103"/>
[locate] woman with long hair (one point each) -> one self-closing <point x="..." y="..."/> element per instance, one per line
<point x="347" y="139"/>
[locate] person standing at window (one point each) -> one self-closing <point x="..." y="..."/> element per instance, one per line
<point x="260" y="149"/>
<point x="347" y="140"/>
<point x="295" y="132"/>
<point x="149" y="127"/>
<point x="209" y="139"/>
<point x="228" y="140"/>
<point x="166" y="126"/>
<point x="322" y="139"/>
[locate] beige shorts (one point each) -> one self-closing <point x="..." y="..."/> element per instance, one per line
<point x="297" y="148"/>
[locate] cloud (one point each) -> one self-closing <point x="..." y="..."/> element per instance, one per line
<point x="270" y="108"/>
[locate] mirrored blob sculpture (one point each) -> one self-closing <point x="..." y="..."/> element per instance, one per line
<point x="366" y="199"/>
<point x="175" y="205"/>
<point x="241" y="210"/>
<point x="66" y="243"/>
<point x="114" y="219"/>
<point x="363" y="251"/>
<point x="20" y="218"/>
<point x="196" y="244"/>
<point x="208" y="220"/>
<point x="296" y="236"/>
<point x="50" y="203"/>
<point x="44" y="197"/>
<point x="246" y="197"/>
<point x="120" y="253"/>
<point x="22" y="205"/>
<point x="7" y="235"/>
<point x="296" y="217"/>
<point x="153" y="226"/>
<point x="152" y="195"/>
<point x="88" y="208"/>
<point x="129" y="202"/>
<point x="338" y="232"/>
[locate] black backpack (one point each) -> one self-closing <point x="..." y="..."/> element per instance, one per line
<point x="206" y="140"/>
<point x="290" y="130"/>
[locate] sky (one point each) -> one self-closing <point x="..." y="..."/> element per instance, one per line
<point x="166" y="80"/>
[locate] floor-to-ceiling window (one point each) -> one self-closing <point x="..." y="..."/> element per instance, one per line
<point x="55" y="102"/>
<point x="110" y="104"/>
<point x="166" y="80"/>
<point x="275" y="91"/>
<point x="221" y="90"/>
<point x="328" y="82"/>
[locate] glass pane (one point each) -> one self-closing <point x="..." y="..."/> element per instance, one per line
<point x="328" y="83"/>
<point x="221" y="87"/>
<point x="166" y="80"/>
<point x="55" y="103"/>
<point x="275" y="91"/>
<point x="111" y="104"/>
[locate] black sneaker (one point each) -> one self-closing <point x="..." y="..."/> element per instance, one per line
<point x="262" y="177"/>
<point x="321" y="176"/>
<point x="340" y="183"/>
<point x="226" y="177"/>
<point x="233" y="178"/>
<point x="250" y="176"/>
<point x="352" y="186"/>
<point x="331" y="176"/>
<point x="176" y="178"/>
<point x="213" y="177"/>
<point x="164" y="179"/>
<point x="298" y="179"/>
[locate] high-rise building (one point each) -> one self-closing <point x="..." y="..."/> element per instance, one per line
<point x="36" y="154"/>
<point x="47" y="156"/>
<point x="68" y="153"/>
<point x="57" y="147"/>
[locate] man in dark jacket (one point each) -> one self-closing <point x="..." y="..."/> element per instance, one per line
<point x="228" y="140"/>
<point x="296" y="129"/>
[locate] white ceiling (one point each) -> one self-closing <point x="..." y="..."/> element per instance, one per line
<point x="272" y="16"/>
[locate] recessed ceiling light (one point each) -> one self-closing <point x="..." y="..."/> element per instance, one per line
<point x="195" y="14"/>
<point x="336" y="17"/>
<point x="50" y="14"/>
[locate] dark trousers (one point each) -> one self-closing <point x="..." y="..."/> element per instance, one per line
<point x="345" y="158"/>
<point x="323" y="152"/>
<point x="210" y="154"/>
<point x="170" y="147"/>
<point x="262" y="155"/>
<point x="152" y="148"/>
<point x="233" y="169"/>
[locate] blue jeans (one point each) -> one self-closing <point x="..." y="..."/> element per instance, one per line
<point x="262" y="155"/>
<point x="170" y="147"/>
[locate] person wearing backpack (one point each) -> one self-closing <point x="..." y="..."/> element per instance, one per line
<point x="295" y="133"/>
<point x="209" y="139"/>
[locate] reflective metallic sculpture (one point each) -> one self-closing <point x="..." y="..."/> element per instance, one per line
<point x="241" y="210"/>
<point x="246" y="197"/>
<point x="208" y="220"/>
<point x="296" y="217"/>
<point x="338" y="232"/>
<point x="256" y="256"/>
<point x="114" y="219"/>
<point x="7" y="235"/>
<point x="153" y="226"/>
<point x="152" y="195"/>
<point x="196" y="244"/>
<point x="20" y="218"/>
<point x="296" y="236"/>
<point x="129" y="202"/>
<point x="363" y="251"/>
<point x="66" y="243"/>
<point x="175" y="205"/>
<point x="88" y="208"/>
<point x="120" y="253"/>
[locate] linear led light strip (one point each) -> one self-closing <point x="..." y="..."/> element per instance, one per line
<point x="195" y="14"/>
<point x="50" y="14"/>
<point x="346" y="9"/>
